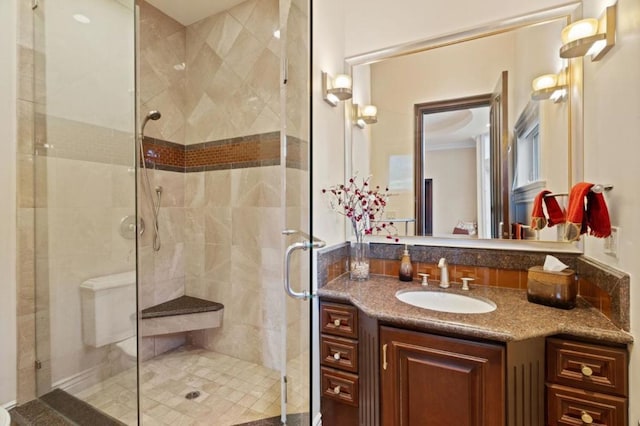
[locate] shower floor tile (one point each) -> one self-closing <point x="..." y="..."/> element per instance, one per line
<point x="232" y="391"/>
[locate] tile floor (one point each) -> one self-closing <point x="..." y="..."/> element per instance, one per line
<point x="232" y="391"/>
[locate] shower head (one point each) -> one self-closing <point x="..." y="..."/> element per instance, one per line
<point x="151" y="115"/>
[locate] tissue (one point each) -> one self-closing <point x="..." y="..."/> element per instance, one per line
<point x="553" y="264"/>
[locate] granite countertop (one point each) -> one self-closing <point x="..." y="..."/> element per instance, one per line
<point x="183" y="305"/>
<point x="514" y="319"/>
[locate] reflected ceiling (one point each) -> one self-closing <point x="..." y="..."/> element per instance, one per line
<point x="455" y="129"/>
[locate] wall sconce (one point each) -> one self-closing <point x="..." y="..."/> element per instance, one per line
<point x="550" y="86"/>
<point x="367" y="114"/>
<point x="335" y="89"/>
<point x="594" y="37"/>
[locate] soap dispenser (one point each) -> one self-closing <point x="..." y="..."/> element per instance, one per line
<point x="406" y="269"/>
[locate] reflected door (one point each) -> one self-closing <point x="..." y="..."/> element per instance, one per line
<point x="500" y="188"/>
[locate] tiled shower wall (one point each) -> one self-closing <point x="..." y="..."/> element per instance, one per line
<point x="221" y="230"/>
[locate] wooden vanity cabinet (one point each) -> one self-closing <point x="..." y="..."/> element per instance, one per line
<point x="339" y="380"/>
<point x="349" y="371"/>
<point x="586" y="383"/>
<point x="430" y="380"/>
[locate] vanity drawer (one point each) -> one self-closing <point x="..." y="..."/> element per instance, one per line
<point x="589" y="367"/>
<point x="339" y="386"/>
<point x="568" y="406"/>
<point x="337" y="319"/>
<point x="339" y="353"/>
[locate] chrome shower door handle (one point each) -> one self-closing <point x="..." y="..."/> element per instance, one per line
<point x="307" y="243"/>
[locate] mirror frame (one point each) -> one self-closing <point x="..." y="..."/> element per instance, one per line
<point x="571" y="12"/>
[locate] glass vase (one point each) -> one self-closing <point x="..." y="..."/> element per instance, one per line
<point x="359" y="260"/>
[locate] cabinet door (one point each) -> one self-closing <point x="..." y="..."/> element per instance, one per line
<point x="429" y="380"/>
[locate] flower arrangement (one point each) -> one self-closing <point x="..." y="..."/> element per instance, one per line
<point x="363" y="205"/>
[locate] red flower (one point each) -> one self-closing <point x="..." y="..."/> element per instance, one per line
<point x="363" y="205"/>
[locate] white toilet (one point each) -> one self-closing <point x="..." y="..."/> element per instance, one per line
<point x="109" y="312"/>
<point x="5" y="418"/>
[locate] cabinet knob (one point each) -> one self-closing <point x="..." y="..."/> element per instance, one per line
<point x="336" y="356"/>
<point x="336" y="390"/>
<point x="586" y="418"/>
<point x="586" y="371"/>
<point x="336" y="322"/>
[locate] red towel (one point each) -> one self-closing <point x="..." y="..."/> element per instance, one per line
<point x="591" y="215"/>
<point x="554" y="212"/>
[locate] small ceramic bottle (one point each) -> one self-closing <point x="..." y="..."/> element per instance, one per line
<point x="406" y="269"/>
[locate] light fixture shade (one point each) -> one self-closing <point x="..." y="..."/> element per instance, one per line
<point x="579" y="29"/>
<point x="544" y="81"/>
<point x="369" y="114"/>
<point x="365" y="114"/>
<point x="336" y="89"/>
<point x="369" y="111"/>
<point x="342" y="81"/>
<point x="550" y="86"/>
<point x="590" y="37"/>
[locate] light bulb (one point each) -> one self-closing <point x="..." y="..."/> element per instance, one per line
<point x="545" y="81"/>
<point x="342" y="81"/>
<point x="369" y="111"/>
<point x="579" y="29"/>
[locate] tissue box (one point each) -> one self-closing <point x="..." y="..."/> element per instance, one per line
<point x="556" y="289"/>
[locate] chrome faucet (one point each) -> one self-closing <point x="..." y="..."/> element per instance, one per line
<point x="444" y="273"/>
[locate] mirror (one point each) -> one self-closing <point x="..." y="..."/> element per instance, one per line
<point x="470" y="184"/>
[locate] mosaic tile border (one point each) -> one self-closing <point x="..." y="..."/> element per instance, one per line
<point x="605" y="288"/>
<point x="258" y="150"/>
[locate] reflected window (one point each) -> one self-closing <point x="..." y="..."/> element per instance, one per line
<point x="527" y="147"/>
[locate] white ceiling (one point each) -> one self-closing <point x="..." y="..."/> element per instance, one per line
<point x="190" y="11"/>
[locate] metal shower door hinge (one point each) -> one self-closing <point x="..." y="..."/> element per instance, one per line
<point x="38" y="364"/>
<point x="286" y="391"/>
<point x="285" y="71"/>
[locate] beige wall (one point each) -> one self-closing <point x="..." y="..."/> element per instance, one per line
<point x="612" y="126"/>
<point x="8" y="18"/>
<point x="328" y="139"/>
<point x="454" y="187"/>
<point x="328" y="131"/>
<point x="537" y="49"/>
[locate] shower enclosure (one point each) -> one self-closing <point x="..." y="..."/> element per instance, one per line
<point x="224" y="94"/>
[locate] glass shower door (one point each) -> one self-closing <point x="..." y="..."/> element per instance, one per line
<point x="295" y="140"/>
<point x="84" y="168"/>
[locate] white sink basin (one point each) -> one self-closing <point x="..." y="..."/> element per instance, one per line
<point x="446" y="302"/>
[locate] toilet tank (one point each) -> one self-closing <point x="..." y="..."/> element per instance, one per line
<point x="108" y="308"/>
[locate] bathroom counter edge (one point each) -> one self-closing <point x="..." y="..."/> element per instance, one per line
<point x="515" y="318"/>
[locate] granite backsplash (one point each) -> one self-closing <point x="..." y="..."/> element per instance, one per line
<point x="605" y="288"/>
